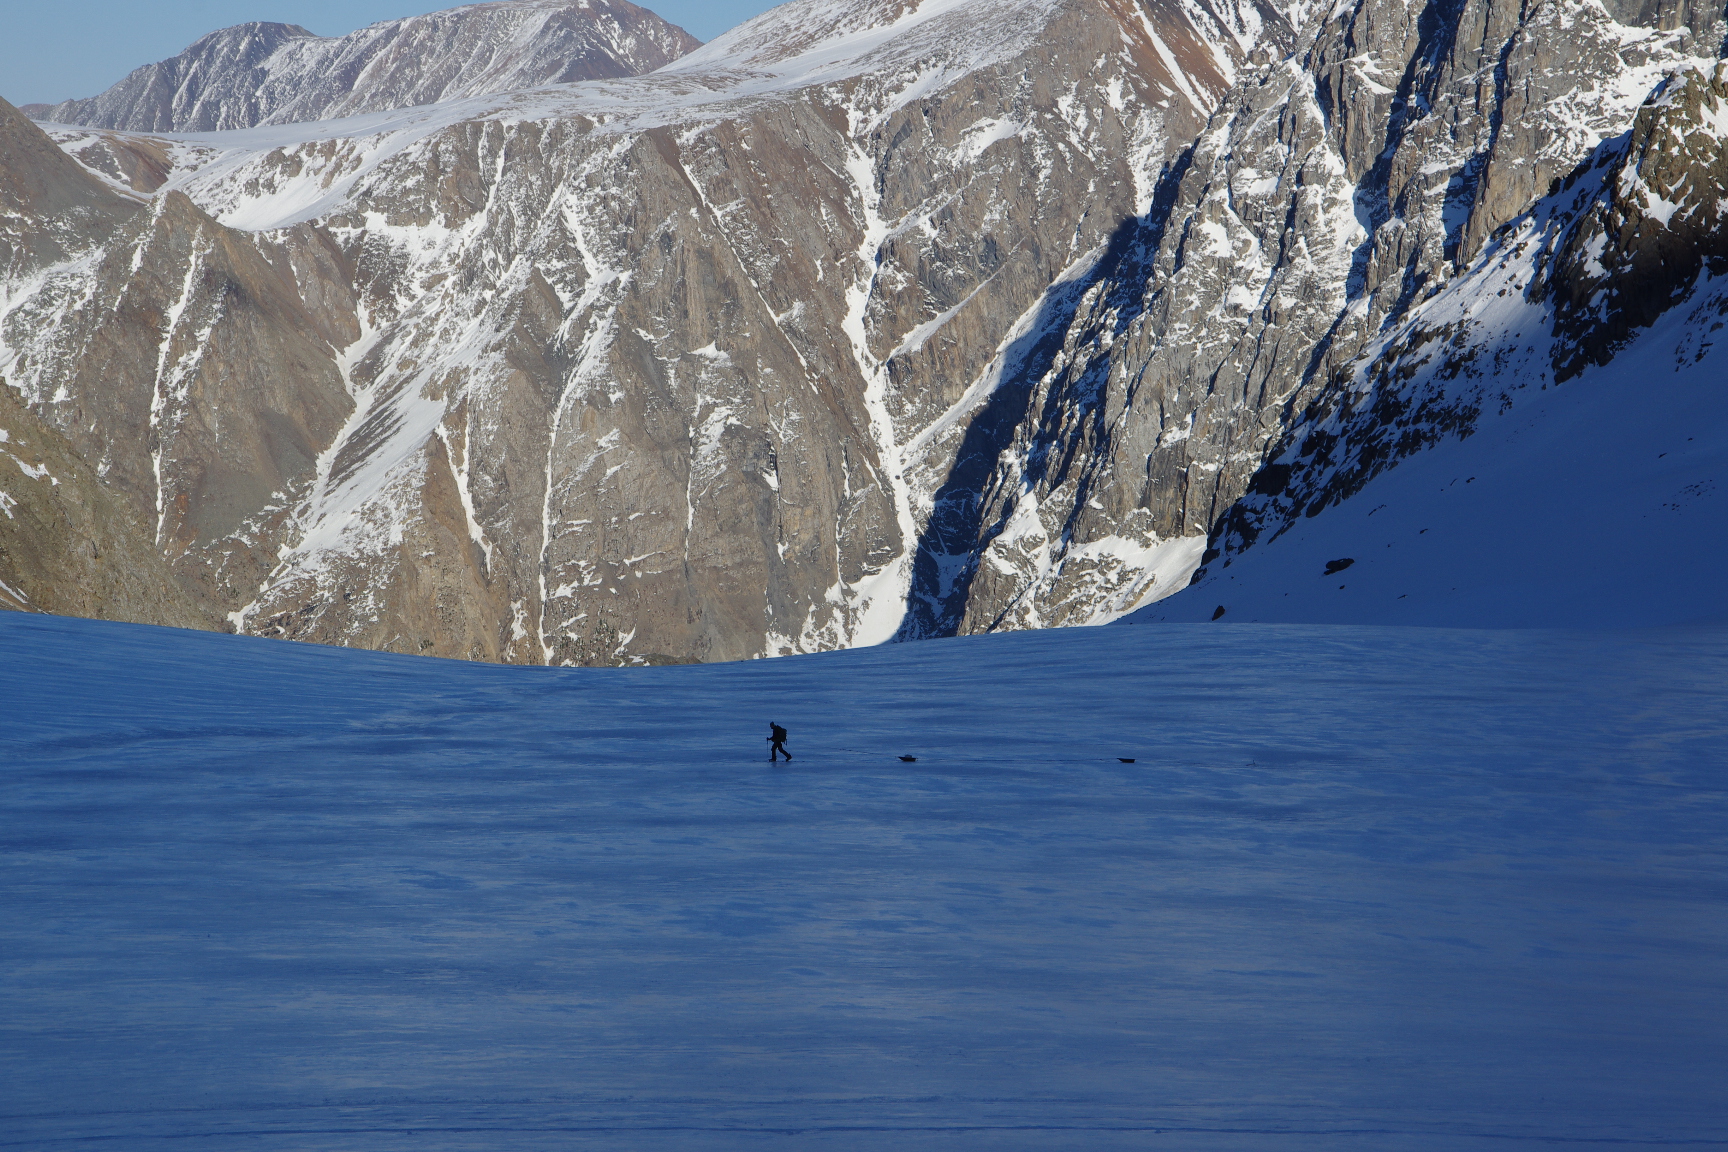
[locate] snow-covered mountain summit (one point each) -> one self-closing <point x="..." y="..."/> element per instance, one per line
<point x="839" y="37"/>
<point x="914" y="48"/>
<point x="263" y="73"/>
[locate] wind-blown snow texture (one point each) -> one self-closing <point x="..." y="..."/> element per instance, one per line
<point x="664" y="368"/>
<point x="1378" y="889"/>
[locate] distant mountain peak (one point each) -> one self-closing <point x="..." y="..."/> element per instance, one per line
<point x="268" y="73"/>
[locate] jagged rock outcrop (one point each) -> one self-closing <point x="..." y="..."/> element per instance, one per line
<point x="1638" y="249"/>
<point x="1628" y="235"/>
<point x="641" y="370"/>
<point x="1333" y="191"/>
<point x="264" y="73"/>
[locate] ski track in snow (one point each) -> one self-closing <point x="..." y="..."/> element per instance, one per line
<point x="1383" y="889"/>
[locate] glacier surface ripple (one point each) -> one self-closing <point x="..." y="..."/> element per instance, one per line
<point x="1375" y="888"/>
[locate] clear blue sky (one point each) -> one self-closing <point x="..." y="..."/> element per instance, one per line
<point x="51" y="52"/>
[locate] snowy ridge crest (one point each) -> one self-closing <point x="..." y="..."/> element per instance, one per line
<point x="258" y="74"/>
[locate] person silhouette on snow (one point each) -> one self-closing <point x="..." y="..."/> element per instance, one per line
<point x="777" y="736"/>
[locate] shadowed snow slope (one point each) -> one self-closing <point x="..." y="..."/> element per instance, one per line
<point x="1363" y="888"/>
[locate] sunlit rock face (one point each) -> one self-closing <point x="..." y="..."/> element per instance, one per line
<point x="176" y="360"/>
<point x="1629" y="234"/>
<point x="865" y="321"/>
<point x="659" y="368"/>
<point x="263" y="73"/>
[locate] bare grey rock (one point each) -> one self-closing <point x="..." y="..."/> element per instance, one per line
<point x="68" y="546"/>
<point x="869" y="320"/>
<point x="181" y="360"/>
<point x="1630" y="235"/>
<point x="1333" y="192"/>
<point x="1638" y="248"/>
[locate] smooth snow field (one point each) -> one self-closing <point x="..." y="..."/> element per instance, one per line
<point x="1364" y="888"/>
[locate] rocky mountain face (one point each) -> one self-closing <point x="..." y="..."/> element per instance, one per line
<point x="262" y="73"/>
<point x="651" y="369"/>
<point x="868" y="320"/>
<point x="1629" y="234"/>
<point x="82" y="531"/>
<point x="68" y="545"/>
<point x="187" y="365"/>
<point x="1334" y="192"/>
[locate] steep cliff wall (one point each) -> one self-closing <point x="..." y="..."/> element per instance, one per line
<point x="68" y="545"/>
<point x="1332" y="192"/>
<point x="1630" y="235"/>
<point x="131" y="319"/>
<point x="642" y="370"/>
<point x="867" y="320"/>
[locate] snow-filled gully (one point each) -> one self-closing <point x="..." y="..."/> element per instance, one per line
<point x="877" y="602"/>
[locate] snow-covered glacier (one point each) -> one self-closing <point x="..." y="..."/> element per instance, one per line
<point x="1358" y="888"/>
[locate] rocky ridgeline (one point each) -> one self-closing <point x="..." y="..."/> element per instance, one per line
<point x="89" y="275"/>
<point x="867" y="320"/>
<point x="263" y="73"/>
<point x="1638" y="247"/>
